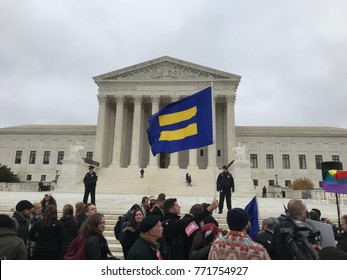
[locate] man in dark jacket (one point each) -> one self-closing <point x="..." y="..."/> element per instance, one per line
<point x="225" y="185"/>
<point x="89" y="185"/>
<point x="147" y="247"/>
<point x="21" y="218"/>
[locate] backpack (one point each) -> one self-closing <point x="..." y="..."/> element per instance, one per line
<point x="77" y="249"/>
<point x="174" y="250"/>
<point x="118" y="227"/>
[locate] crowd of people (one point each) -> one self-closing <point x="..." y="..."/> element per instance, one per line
<point x="154" y="229"/>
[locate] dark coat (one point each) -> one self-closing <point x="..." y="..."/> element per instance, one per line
<point x="90" y="179"/>
<point x="71" y="228"/>
<point x="22" y="225"/>
<point x="342" y="242"/>
<point x="97" y="247"/>
<point x="156" y="211"/>
<point x="143" y="250"/>
<point x="265" y="238"/>
<point x="48" y="239"/>
<point x="202" y="253"/>
<point x="225" y="182"/>
<point x="130" y="235"/>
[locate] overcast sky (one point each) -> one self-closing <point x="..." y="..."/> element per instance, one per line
<point x="292" y="55"/>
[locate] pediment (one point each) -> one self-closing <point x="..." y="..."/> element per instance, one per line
<point x="166" y="68"/>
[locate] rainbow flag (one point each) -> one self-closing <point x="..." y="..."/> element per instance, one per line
<point x="336" y="181"/>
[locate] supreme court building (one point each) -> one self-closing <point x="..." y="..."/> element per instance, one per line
<point x="126" y="98"/>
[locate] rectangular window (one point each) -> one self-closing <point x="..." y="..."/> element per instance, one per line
<point x="286" y="161"/>
<point x="302" y="162"/>
<point x="255" y="182"/>
<point x="46" y="156"/>
<point x="254" y="160"/>
<point x="287" y="182"/>
<point x="89" y="155"/>
<point x="219" y="153"/>
<point x="335" y="158"/>
<point x="60" y="157"/>
<point x="320" y="184"/>
<point x="319" y="160"/>
<point x="271" y="183"/>
<point x="201" y="153"/>
<point x="43" y="178"/>
<point x="32" y="157"/>
<point x="269" y="161"/>
<point x="18" y="158"/>
<point x="29" y="177"/>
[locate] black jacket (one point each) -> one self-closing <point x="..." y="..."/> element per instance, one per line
<point x="90" y="179"/>
<point x="342" y="242"/>
<point x="225" y="182"/>
<point x="21" y="225"/>
<point x="143" y="250"/>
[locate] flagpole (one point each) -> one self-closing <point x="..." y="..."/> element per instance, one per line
<point x="214" y="141"/>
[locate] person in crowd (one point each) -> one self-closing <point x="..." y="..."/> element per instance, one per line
<point x="147" y="246"/>
<point x="265" y="237"/>
<point x="96" y="244"/>
<point x="131" y="231"/>
<point x="331" y="253"/>
<point x="36" y="214"/>
<point x="342" y="241"/>
<point x="12" y="247"/>
<point x="48" y="199"/>
<point x="237" y="245"/>
<point x="71" y="228"/>
<point x="142" y="173"/>
<point x="264" y="191"/>
<point x="281" y="249"/>
<point x="21" y="218"/>
<point x="79" y="210"/>
<point x="89" y="181"/>
<point x="183" y="229"/>
<point x="209" y="218"/>
<point x="48" y="233"/>
<point x="202" y="242"/>
<point x="89" y="210"/>
<point x="40" y="186"/>
<point x="145" y="206"/>
<point x="225" y="186"/>
<point x="125" y="220"/>
<point x="158" y="206"/>
<point x="188" y="180"/>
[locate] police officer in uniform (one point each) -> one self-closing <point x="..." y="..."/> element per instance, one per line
<point x="225" y="185"/>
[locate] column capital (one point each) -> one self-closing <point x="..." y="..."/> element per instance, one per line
<point x="120" y="99"/>
<point x="174" y="98"/>
<point x="155" y="99"/>
<point x="230" y="99"/>
<point x="101" y="99"/>
<point x="137" y="99"/>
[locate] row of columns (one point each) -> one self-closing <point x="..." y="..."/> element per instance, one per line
<point x="135" y="145"/>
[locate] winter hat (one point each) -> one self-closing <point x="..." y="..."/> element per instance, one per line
<point x="210" y="230"/>
<point x="24" y="204"/>
<point x="237" y="219"/>
<point x="149" y="222"/>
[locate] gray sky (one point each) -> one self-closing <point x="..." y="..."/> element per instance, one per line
<point x="292" y="55"/>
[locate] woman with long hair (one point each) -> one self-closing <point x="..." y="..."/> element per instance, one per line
<point x="96" y="245"/>
<point x="131" y="232"/>
<point x="48" y="199"/>
<point x="71" y="227"/>
<point x="36" y="214"/>
<point x="48" y="233"/>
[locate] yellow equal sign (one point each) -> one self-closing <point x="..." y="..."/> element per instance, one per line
<point x="177" y="117"/>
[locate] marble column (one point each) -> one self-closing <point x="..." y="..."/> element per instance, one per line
<point x="100" y="133"/>
<point x="230" y="126"/>
<point x="193" y="159"/>
<point x="153" y="160"/>
<point x="118" y="131"/>
<point x="135" y="145"/>
<point x="211" y="149"/>
<point x="174" y="156"/>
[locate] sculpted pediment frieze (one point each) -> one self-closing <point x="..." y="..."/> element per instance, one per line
<point x="166" y="68"/>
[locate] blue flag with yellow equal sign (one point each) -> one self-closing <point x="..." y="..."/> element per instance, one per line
<point x="182" y="125"/>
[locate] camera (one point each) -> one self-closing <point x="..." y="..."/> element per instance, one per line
<point x="300" y="239"/>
